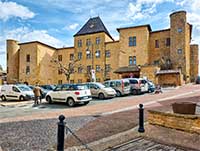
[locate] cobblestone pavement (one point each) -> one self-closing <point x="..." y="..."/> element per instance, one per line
<point x="36" y="135"/>
<point x="141" y="144"/>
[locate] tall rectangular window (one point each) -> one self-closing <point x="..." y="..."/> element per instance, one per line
<point x="179" y="30"/>
<point x="88" y="42"/>
<point x="130" y="60"/>
<point x="88" y="55"/>
<point x="59" y="57"/>
<point x="79" y="43"/>
<point x="59" y="71"/>
<point x="89" y="69"/>
<point x="98" y="40"/>
<point x="98" y="54"/>
<point x="98" y="68"/>
<point x="28" y="58"/>
<point x="27" y="70"/>
<point x="72" y="81"/>
<point x="179" y="51"/>
<point x="156" y="43"/>
<point x="168" y="42"/>
<point x="107" y="53"/>
<point x="79" y="80"/>
<point x="107" y="68"/>
<point x="79" y="55"/>
<point x="132" y="41"/>
<point x="134" y="60"/>
<point x="59" y="81"/>
<point x="98" y="79"/>
<point x="71" y="57"/>
<point x="80" y="69"/>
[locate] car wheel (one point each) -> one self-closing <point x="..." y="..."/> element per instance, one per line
<point x="101" y="96"/>
<point x="70" y="102"/>
<point x="22" y="98"/>
<point x="85" y="103"/>
<point x="48" y="99"/>
<point x="3" y="98"/>
<point x="118" y="93"/>
<point x="134" y="92"/>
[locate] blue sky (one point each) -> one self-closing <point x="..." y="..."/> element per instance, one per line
<point x="56" y="21"/>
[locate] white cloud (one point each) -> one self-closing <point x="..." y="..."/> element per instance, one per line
<point x="142" y="9"/>
<point x="24" y="34"/>
<point x="71" y="27"/>
<point x="12" y="9"/>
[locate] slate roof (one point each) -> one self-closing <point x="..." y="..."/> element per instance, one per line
<point x="93" y="25"/>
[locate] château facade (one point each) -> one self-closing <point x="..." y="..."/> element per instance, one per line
<point x="164" y="56"/>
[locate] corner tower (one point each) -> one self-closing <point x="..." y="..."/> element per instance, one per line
<point x="180" y="33"/>
<point x="12" y="61"/>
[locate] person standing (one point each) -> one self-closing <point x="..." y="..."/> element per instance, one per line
<point x="37" y="94"/>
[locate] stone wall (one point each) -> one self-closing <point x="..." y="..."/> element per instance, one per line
<point x="194" y="62"/>
<point x="12" y="61"/>
<point x="169" y="79"/>
<point x="163" y="50"/>
<point x="188" y="123"/>
<point x="149" y="72"/>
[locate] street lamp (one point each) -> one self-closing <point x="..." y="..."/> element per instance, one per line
<point x="92" y="70"/>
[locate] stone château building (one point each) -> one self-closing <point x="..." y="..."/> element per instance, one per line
<point x="164" y="56"/>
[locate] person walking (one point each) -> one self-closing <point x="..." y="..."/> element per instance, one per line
<point x="37" y="93"/>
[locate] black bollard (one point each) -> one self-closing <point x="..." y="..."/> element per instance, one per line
<point x="141" y="119"/>
<point x="61" y="133"/>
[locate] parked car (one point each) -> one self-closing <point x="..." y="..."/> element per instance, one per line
<point x="70" y="93"/>
<point x="151" y="86"/>
<point x="48" y="87"/>
<point x="44" y="91"/>
<point x="144" y="85"/>
<point x="121" y="86"/>
<point x="138" y="85"/>
<point x="16" y="92"/>
<point x="101" y="91"/>
<point x="197" y="80"/>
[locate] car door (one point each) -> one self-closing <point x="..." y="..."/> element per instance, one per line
<point x="55" y="94"/>
<point x="144" y="85"/>
<point x="94" y="90"/>
<point x="15" y="93"/>
<point x="67" y="91"/>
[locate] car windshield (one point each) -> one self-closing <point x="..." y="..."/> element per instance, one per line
<point x="24" y="88"/>
<point x="100" y="85"/>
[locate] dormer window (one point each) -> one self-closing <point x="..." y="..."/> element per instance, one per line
<point x="91" y="25"/>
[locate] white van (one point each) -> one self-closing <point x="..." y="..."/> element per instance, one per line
<point x="16" y="92"/>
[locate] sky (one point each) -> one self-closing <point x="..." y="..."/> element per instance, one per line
<point x="54" y="22"/>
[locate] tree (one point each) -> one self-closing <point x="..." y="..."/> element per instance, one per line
<point x="69" y="68"/>
<point x="1" y="68"/>
<point x="166" y="64"/>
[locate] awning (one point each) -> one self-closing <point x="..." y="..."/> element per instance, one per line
<point x="127" y="69"/>
<point x="167" y="72"/>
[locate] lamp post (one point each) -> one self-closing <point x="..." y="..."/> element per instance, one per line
<point x="92" y="70"/>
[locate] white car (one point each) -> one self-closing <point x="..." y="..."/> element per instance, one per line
<point x="16" y="92"/>
<point x="70" y="93"/>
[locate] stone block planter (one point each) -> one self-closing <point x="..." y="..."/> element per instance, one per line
<point x="184" y="108"/>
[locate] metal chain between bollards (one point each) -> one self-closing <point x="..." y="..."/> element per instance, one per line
<point x="85" y="145"/>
